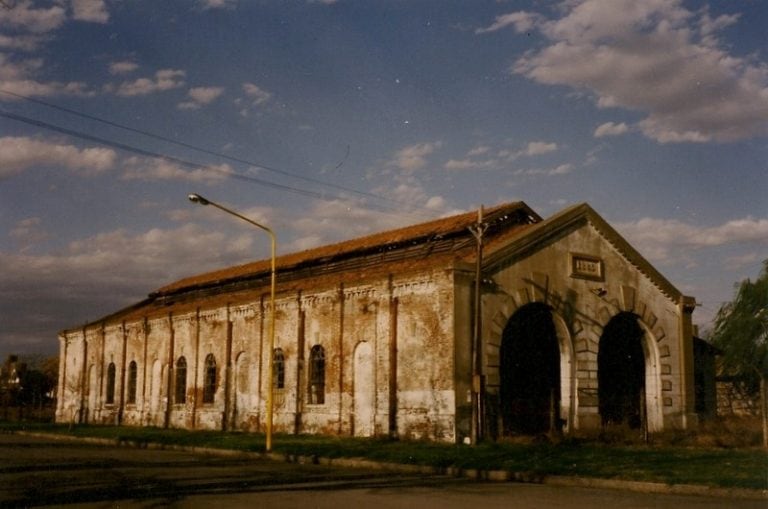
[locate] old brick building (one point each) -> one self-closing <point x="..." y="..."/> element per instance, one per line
<point x="374" y="336"/>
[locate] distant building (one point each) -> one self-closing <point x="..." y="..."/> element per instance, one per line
<point x="374" y="337"/>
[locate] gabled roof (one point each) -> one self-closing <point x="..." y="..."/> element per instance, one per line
<point x="540" y="233"/>
<point x="517" y="213"/>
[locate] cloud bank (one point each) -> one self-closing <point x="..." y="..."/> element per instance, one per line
<point x="654" y="57"/>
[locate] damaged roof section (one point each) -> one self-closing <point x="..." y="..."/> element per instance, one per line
<point x="449" y="234"/>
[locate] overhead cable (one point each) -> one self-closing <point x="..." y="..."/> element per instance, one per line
<point x="166" y="139"/>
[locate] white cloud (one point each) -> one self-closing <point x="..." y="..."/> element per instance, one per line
<point x="165" y="79"/>
<point x="18" y="77"/>
<point x="658" y="238"/>
<point x="28" y="232"/>
<point x="90" y="10"/>
<point x="404" y="184"/>
<point x="561" y="169"/>
<point x="28" y="42"/>
<point x="141" y="168"/>
<point x="255" y="97"/>
<point x="414" y="157"/>
<point x="256" y="94"/>
<point x="471" y="164"/>
<point x="537" y="148"/>
<point x="123" y="67"/>
<point x="20" y="153"/>
<point x="610" y="129"/>
<point x="710" y="26"/>
<point x="204" y="95"/>
<point x="216" y="4"/>
<point x="327" y="222"/>
<point x="200" y="96"/>
<point x="659" y="58"/>
<point x="502" y="157"/>
<point x="738" y="262"/>
<point x="532" y="149"/>
<point x="479" y="150"/>
<point x="130" y="265"/>
<point x="337" y="220"/>
<point x="94" y="276"/>
<point x="24" y="16"/>
<point x="522" y="21"/>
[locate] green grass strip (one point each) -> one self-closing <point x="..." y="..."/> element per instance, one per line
<point x="718" y="467"/>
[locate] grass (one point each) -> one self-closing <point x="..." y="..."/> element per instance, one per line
<point x="671" y="464"/>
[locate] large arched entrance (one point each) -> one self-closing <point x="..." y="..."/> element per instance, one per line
<point x="530" y="372"/>
<point x="621" y="372"/>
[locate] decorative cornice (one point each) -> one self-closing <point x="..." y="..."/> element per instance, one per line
<point x="409" y="287"/>
<point x="360" y="292"/>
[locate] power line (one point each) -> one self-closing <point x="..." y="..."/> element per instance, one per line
<point x="183" y="162"/>
<point x="147" y="153"/>
<point x="205" y="150"/>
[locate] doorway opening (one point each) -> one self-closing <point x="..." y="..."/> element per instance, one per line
<point x="621" y="372"/>
<point x="530" y="372"/>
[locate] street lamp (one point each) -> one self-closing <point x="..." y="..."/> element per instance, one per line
<point x="196" y="198"/>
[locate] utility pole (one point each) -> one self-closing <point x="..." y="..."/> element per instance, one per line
<point x="478" y="382"/>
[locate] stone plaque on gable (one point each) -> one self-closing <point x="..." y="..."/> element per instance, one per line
<point x="587" y="267"/>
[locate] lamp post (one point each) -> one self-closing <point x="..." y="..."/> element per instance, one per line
<point x="196" y="198"/>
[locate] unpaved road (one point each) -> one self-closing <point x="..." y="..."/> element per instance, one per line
<point x="45" y="472"/>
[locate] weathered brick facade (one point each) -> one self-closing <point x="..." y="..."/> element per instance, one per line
<point x="375" y="336"/>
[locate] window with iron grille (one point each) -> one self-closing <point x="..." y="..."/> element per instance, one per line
<point x="278" y="369"/>
<point x="317" y="375"/>
<point x="110" y="399"/>
<point x="180" y="392"/>
<point x="132" y="376"/>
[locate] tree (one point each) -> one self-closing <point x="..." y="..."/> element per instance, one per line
<point x="741" y="332"/>
<point x="27" y="383"/>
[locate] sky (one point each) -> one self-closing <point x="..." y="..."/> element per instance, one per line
<point x="328" y="120"/>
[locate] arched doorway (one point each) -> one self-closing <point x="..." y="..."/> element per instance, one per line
<point x="155" y="417"/>
<point x="621" y="372"/>
<point x="364" y="390"/>
<point x="530" y="372"/>
<point x="241" y="405"/>
<point x="92" y="399"/>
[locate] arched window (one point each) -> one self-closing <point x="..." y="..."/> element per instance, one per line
<point x="209" y="380"/>
<point x="278" y="369"/>
<point x="180" y="392"/>
<point x="132" y="376"/>
<point x="111" y="384"/>
<point x="317" y="375"/>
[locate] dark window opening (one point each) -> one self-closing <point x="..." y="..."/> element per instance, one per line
<point x="317" y="375"/>
<point x="180" y="394"/>
<point x="132" y="377"/>
<point x="209" y="380"/>
<point x="278" y="369"/>
<point x="110" y="399"/>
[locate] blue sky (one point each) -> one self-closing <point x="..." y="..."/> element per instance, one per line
<point x="332" y="119"/>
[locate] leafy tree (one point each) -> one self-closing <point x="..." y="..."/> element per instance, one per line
<point x="741" y="332"/>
